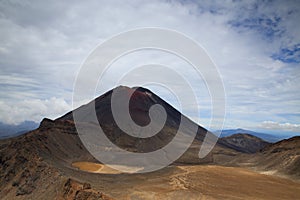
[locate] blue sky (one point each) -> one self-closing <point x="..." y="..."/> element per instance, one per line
<point x="255" y="45"/>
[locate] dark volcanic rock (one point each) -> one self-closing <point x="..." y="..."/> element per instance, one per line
<point x="245" y="143"/>
<point x="140" y="102"/>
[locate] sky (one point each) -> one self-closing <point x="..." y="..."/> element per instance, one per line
<point x="254" y="44"/>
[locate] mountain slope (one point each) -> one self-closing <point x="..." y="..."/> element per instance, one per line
<point x="140" y="103"/>
<point x="282" y="157"/>
<point x="245" y="143"/>
<point x="35" y="165"/>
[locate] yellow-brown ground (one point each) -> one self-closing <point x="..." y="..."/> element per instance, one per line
<point x="198" y="182"/>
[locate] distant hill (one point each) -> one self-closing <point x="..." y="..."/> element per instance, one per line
<point x="8" y="130"/>
<point x="245" y="143"/>
<point x="264" y="136"/>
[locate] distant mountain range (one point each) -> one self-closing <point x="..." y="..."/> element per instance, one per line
<point x="8" y="130"/>
<point x="264" y="136"/>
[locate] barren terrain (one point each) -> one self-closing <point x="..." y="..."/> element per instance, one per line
<point x="197" y="182"/>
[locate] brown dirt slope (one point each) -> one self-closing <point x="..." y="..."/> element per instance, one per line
<point x="282" y="157"/>
<point x="31" y="164"/>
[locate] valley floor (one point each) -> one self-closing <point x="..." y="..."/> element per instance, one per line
<point x="192" y="182"/>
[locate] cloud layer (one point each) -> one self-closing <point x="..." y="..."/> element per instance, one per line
<point x="254" y="44"/>
<point x="36" y="109"/>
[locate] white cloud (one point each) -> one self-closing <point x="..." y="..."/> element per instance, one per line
<point x="280" y="126"/>
<point x="33" y="109"/>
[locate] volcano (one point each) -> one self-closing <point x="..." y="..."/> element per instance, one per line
<point x="141" y="100"/>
